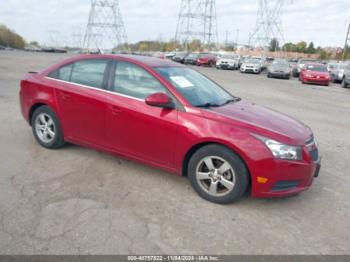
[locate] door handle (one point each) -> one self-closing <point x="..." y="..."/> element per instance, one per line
<point x="115" y="110"/>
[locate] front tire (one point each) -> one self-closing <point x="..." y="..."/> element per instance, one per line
<point x="46" y="128"/>
<point x="344" y="84"/>
<point x="217" y="174"/>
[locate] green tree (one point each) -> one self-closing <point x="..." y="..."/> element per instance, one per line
<point x="311" y="48"/>
<point x="10" y="38"/>
<point x="301" y="47"/>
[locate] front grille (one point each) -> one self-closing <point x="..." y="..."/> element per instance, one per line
<point x="284" y="185"/>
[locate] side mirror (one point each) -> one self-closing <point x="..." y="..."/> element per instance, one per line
<point x="160" y="100"/>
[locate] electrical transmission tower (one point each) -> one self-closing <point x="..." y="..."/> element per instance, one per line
<point x="105" y="28"/>
<point x="268" y="23"/>
<point x="347" y="41"/>
<point x="197" y="21"/>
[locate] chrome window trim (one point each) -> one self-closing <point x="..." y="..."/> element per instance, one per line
<point x="95" y="88"/>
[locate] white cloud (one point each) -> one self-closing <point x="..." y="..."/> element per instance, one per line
<point x="321" y="21"/>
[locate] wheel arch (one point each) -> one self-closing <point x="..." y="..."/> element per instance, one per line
<point x="197" y="146"/>
<point x="33" y="108"/>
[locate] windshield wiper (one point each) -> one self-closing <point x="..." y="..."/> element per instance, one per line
<point x="232" y="100"/>
<point x="207" y="105"/>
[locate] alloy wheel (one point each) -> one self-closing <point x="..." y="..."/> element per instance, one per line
<point x="45" y="128"/>
<point x="215" y="176"/>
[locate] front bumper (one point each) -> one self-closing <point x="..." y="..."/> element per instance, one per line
<point x="285" y="178"/>
<point x="226" y="66"/>
<point x="250" y="70"/>
<point x="320" y="81"/>
<point x="290" y="179"/>
<point x="279" y="74"/>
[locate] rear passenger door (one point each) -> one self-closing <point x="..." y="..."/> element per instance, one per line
<point x="80" y="93"/>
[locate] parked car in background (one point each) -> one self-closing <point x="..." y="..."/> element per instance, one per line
<point x="331" y="65"/>
<point x="279" y="68"/>
<point x="263" y="61"/>
<point x="301" y="63"/>
<point x="206" y="60"/>
<point x="159" y="55"/>
<point x="346" y="77"/>
<point x="170" y="116"/>
<point x="227" y="62"/>
<point x="169" y="55"/>
<point x="191" y="59"/>
<point x="251" y="65"/>
<point x="2" y="47"/>
<point x="337" y="72"/>
<point x="180" y="57"/>
<point x="314" y="73"/>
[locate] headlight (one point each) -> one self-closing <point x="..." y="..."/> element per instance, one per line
<point x="281" y="151"/>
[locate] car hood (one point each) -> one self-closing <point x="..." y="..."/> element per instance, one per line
<point x="280" y="68"/>
<point x="264" y="121"/>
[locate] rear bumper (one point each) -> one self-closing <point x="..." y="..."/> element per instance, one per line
<point x="285" y="179"/>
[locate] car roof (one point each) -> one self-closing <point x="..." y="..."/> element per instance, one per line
<point x="138" y="59"/>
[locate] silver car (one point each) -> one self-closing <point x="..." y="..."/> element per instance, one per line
<point x="337" y="72"/>
<point x="346" y="77"/>
<point x="279" y="68"/>
<point x="251" y="65"/>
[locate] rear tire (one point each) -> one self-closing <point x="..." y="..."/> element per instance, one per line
<point x="217" y="174"/>
<point x="46" y="128"/>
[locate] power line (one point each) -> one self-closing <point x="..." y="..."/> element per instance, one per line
<point x="197" y="21"/>
<point x="268" y="23"/>
<point x="347" y="40"/>
<point x="105" y="27"/>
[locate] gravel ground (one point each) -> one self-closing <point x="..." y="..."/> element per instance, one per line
<point x="79" y="201"/>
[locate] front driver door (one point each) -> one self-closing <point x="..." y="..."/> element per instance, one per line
<point x="135" y="128"/>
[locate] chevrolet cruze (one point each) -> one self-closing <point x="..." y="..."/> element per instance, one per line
<point x="171" y="117"/>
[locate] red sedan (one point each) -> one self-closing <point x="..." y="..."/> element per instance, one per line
<point x="315" y="73"/>
<point x="170" y="116"/>
<point x="206" y="60"/>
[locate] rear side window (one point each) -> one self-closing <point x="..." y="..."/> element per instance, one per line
<point x="63" y="73"/>
<point x="89" y="72"/>
<point x="134" y="81"/>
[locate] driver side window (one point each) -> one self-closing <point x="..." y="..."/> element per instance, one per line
<point x="132" y="80"/>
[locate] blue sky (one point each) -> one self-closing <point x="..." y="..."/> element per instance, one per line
<point x="49" y="21"/>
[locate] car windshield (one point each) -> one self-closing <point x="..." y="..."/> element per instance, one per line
<point x="203" y="55"/>
<point x="227" y="57"/>
<point x="192" y="56"/>
<point x="253" y="61"/>
<point x="342" y="66"/>
<point x="280" y="63"/>
<point x="316" y="68"/>
<point x="198" y="90"/>
<point x="333" y="66"/>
